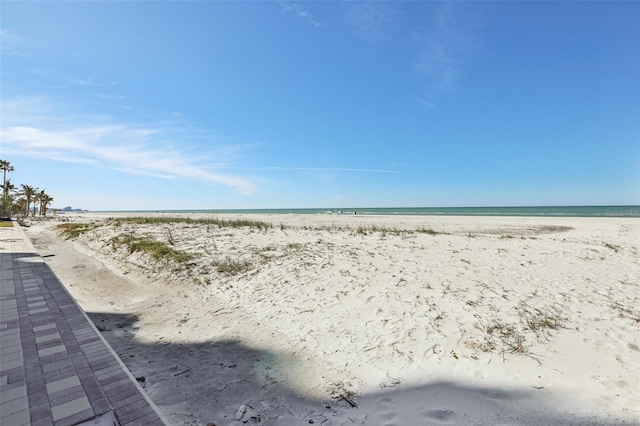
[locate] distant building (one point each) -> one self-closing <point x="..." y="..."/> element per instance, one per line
<point x="70" y="209"/>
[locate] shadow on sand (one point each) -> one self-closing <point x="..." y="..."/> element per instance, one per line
<point x="209" y="382"/>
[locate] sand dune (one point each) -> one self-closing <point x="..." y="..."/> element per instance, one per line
<point x="332" y="319"/>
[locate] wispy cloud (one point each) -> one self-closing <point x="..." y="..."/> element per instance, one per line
<point x="35" y="127"/>
<point x="90" y="82"/>
<point x="7" y="37"/>
<point x="425" y="103"/>
<point x="297" y="10"/>
<point x="109" y="96"/>
<point x="372" y="21"/>
<point x="332" y="169"/>
<point x="42" y="72"/>
<point x="444" y="44"/>
<point x="10" y="42"/>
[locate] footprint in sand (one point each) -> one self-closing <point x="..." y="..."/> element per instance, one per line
<point x="386" y="416"/>
<point x="495" y="394"/>
<point x="442" y="416"/>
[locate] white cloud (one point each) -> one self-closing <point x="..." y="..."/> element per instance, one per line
<point x="34" y="127"/>
<point x="294" y="8"/>
<point x="333" y="169"/>
<point x="10" y="43"/>
<point x="444" y="44"/>
<point x="7" y="37"/>
<point x="109" y="96"/>
<point x="426" y="103"/>
<point x="90" y="82"/>
<point x="42" y="72"/>
<point x="373" y="20"/>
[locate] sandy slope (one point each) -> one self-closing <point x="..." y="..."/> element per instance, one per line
<point x="492" y="321"/>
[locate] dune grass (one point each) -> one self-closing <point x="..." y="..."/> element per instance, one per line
<point x="626" y="312"/>
<point x="156" y="249"/>
<point x="511" y="337"/>
<point x="503" y="337"/>
<point x="365" y="230"/>
<point x="230" y="266"/>
<point x="221" y="223"/>
<point x="259" y="225"/>
<point x="542" y="319"/>
<point x="73" y="230"/>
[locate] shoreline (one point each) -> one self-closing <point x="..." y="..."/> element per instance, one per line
<point x="482" y="211"/>
<point x="453" y="222"/>
<point x="324" y="312"/>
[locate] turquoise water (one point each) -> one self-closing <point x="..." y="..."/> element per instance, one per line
<point x="559" y="211"/>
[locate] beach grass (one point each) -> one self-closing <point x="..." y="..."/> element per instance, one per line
<point x="221" y="223"/>
<point x="429" y="231"/>
<point x="626" y="312"/>
<point x="260" y="225"/>
<point x="156" y="249"/>
<point x="365" y="230"/>
<point x="230" y="266"/>
<point x="73" y="230"/>
<point x="542" y="319"/>
<point x="509" y="338"/>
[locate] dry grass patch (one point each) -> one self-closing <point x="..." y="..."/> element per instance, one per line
<point x="542" y="319"/>
<point x="365" y="230"/>
<point x="503" y="338"/>
<point x="512" y="337"/>
<point x="73" y="230"/>
<point x="230" y="266"/>
<point x="550" y="229"/>
<point x="221" y="223"/>
<point x="156" y="249"/>
<point x="625" y="312"/>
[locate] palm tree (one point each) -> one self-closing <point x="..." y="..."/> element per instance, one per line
<point x="45" y="204"/>
<point x="5" y="166"/>
<point x="19" y="206"/>
<point x="36" y="200"/>
<point x="29" y="192"/>
<point x="7" y="199"/>
<point x="44" y="199"/>
<point x="7" y="187"/>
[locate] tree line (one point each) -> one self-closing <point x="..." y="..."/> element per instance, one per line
<point x="18" y="200"/>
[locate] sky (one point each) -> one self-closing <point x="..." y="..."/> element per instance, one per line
<point x="149" y="105"/>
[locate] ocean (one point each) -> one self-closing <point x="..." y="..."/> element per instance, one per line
<point x="551" y="211"/>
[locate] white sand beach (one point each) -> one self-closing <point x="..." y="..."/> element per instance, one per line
<point x="368" y="320"/>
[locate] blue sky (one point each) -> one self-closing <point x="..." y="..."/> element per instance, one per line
<point x="212" y="105"/>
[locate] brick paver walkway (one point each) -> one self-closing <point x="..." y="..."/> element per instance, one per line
<point x="55" y="368"/>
